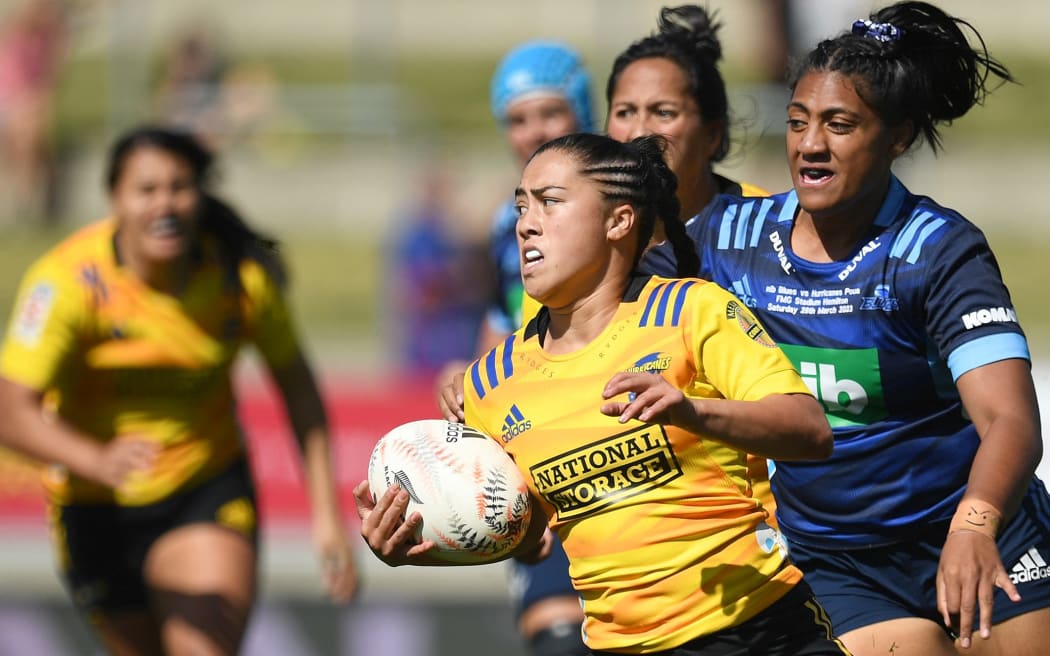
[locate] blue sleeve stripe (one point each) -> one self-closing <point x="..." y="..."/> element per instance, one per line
<point x="986" y="350"/>
<point x="760" y="220"/>
<point x="905" y="237"/>
<point x="930" y="228"/>
<point x="649" y="304"/>
<point x="475" y="379"/>
<point x="741" y="225"/>
<point x="726" y="228"/>
<point x="787" y="212"/>
<point x="508" y="363"/>
<point x="679" y="302"/>
<point x="661" y="309"/>
<point x="490" y="369"/>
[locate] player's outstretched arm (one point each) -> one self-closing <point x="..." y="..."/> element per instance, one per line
<point x="781" y="426"/>
<point x="1009" y="426"/>
<point x="331" y="540"/>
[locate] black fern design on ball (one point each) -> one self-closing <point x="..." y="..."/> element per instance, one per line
<point x="496" y="493"/>
<point x="470" y="539"/>
<point x="405" y="484"/>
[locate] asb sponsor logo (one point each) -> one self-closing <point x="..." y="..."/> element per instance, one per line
<point x="584" y="481"/>
<point x="984" y="316"/>
<point x="32" y="315"/>
<point x="778" y="248"/>
<point x="1031" y="567"/>
<point x="514" y="424"/>
<point x="847" y="382"/>
<point x="749" y="324"/>
<point x="653" y="363"/>
<point x="867" y="248"/>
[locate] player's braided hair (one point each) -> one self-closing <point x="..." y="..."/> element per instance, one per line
<point x="688" y="36"/>
<point x="237" y="240"/>
<point x="910" y="62"/>
<point x="635" y="172"/>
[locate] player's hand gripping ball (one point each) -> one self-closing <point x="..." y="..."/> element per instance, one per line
<point x="474" y="501"/>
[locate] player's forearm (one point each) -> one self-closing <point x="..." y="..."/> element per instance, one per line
<point x="779" y="426"/>
<point x="1008" y="424"/>
<point x="1004" y="464"/>
<point x="27" y="431"/>
<point x="321" y="484"/>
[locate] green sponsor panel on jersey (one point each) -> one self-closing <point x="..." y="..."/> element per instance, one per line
<point x="515" y="295"/>
<point x="847" y="382"/>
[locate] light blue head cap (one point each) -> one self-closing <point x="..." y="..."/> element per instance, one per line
<point x="537" y="66"/>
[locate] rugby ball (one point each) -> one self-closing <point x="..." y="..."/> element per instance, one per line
<point x="474" y="501"/>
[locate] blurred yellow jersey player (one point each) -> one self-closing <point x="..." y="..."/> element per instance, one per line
<point x="663" y="533"/>
<point x="117" y="358"/>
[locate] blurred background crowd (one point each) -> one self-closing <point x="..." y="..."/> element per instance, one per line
<point x="358" y="132"/>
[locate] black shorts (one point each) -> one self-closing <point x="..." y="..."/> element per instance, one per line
<point x="102" y="548"/>
<point x="860" y="587"/>
<point x="793" y="626"/>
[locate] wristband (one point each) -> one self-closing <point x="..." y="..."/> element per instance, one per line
<point x="976" y="516"/>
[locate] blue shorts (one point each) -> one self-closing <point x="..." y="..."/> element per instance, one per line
<point x="859" y="587"/>
<point x="547" y="578"/>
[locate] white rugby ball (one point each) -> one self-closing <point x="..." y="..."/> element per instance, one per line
<point x="474" y="501"/>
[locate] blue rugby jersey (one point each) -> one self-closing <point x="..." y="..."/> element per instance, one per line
<point x="880" y="339"/>
<point x="504" y="313"/>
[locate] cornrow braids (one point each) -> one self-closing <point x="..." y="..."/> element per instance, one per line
<point x="910" y="61"/>
<point x="634" y="172"/>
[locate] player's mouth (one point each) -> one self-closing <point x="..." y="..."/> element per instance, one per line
<point x="811" y="176"/>
<point x="530" y="258"/>
<point x="166" y="227"/>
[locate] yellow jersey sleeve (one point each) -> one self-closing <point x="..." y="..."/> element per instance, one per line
<point x="748" y="189"/>
<point x="44" y="327"/>
<point x="268" y="317"/>
<point x="735" y="356"/>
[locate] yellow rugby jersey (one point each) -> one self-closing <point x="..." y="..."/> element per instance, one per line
<point x="117" y="358"/>
<point x="665" y="540"/>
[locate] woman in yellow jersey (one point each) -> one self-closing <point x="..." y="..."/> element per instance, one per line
<point x="669" y="84"/>
<point x="116" y="370"/>
<point x="643" y="396"/>
<point x="666" y="83"/>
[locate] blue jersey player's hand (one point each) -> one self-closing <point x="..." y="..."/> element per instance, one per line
<point x="970" y="570"/>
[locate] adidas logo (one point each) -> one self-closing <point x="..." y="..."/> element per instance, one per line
<point x="514" y="424"/>
<point x="1031" y="567"/>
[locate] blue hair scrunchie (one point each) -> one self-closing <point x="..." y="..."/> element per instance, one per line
<point x="883" y="32"/>
<point x="538" y="66"/>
